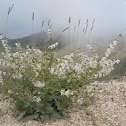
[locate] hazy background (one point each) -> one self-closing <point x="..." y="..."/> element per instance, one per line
<point x="110" y="15"/>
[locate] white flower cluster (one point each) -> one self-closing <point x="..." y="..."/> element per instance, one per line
<point x="19" y="60"/>
<point x="109" y="50"/>
<point x="39" y="84"/>
<point x="67" y="93"/>
<point x="78" y="65"/>
<point x="17" y="75"/>
<point x="9" y="91"/>
<point x="1" y="78"/>
<point x="6" y="47"/>
<point x="89" y="47"/>
<point x="49" y="31"/>
<point x="37" y="99"/>
<point x="74" y="66"/>
<point x="106" y="66"/>
<point x="50" y="34"/>
<point x="53" y="46"/>
<point x="1" y="37"/>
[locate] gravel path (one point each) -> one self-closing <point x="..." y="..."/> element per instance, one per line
<point x="109" y="109"/>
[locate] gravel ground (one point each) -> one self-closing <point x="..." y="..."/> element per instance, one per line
<point x="109" y="109"/>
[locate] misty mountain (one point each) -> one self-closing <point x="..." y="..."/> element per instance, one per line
<point x="39" y="40"/>
<point x="70" y="43"/>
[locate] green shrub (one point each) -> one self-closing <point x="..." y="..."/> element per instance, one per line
<point x="41" y="87"/>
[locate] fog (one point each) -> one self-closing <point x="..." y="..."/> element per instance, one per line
<point x="110" y="16"/>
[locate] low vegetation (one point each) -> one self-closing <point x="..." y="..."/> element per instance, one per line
<point x="43" y="86"/>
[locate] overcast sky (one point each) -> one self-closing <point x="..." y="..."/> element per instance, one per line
<point x="110" y="15"/>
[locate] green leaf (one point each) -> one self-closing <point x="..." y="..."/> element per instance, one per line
<point x="36" y="115"/>
<point x="65" y="114"/>
<point x="21" y="115"/>
<point x="49" y="108"/>
<point x="55" y="115"/>
<point x="27" y="118"/>
<point x="40" y="108"/>
<point x="44" y="118"/>
<point x="28" y="103"/>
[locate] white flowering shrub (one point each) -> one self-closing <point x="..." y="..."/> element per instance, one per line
<point x="42" y="87"/>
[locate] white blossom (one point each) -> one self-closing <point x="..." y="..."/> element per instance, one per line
<point x="67" y="93"/>
<point x="49" y="30"/>
<point x="115" y="42"/>
<point x="4" y="73"/>
<point x="1" y="37"/>
<point x="18" y="75"/>
<point x="9" y="91"/>
<point x="62" y="92"/>
<point x="38" y="99"/>
<point x="73" y="67"/>
<point x="89" y="46"/>
<point x="39" y="84"/>
<point x="53" y="46"/>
